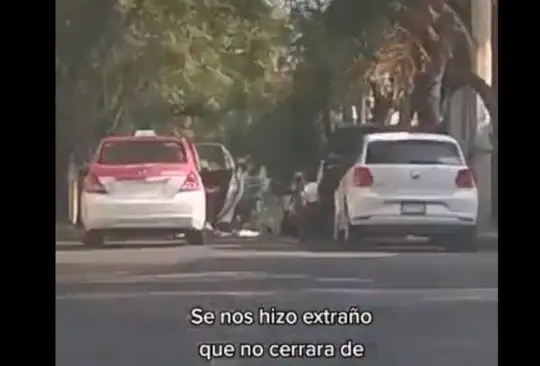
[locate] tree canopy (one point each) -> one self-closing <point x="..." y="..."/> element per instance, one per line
<point x="412" y="52"/>
<point x="159" y="59"/>
<point x="269" y="71"/>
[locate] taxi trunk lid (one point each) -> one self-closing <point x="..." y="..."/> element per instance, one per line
<point x="142" y="181"/>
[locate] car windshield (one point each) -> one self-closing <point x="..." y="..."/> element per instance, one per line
<point x="413" y="152"/>
<point x="141" y="152"/>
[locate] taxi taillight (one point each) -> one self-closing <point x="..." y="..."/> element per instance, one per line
<point x="192" y="183"/>
<point x="93" y="185"/>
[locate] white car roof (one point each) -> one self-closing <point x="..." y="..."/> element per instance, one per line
<point x="400" y="136"/>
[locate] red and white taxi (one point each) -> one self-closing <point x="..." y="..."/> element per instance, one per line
<point x="143" y="182"/>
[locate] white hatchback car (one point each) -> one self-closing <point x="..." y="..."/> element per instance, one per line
<point x="143" y="183"/>
<point x="408" y="184"/>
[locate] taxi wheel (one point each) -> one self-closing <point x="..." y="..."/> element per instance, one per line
<point x="197" y="237"/>
<point x="93" y="238"/>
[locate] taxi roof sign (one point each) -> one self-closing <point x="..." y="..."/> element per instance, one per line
<point x="144" y="133"/>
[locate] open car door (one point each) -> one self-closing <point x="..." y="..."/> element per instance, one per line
<point x="222" y="180"/>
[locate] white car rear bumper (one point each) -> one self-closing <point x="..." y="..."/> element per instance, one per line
<point x="401" y="220"/>
<point x="187" y="210"/>
<point x="369" y="208"/>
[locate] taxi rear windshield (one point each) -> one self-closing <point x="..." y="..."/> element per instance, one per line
<point x="141" y="152"/>
<point x="425" y="152"/>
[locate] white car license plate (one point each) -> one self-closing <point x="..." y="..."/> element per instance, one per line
<point x="413" y="209"/>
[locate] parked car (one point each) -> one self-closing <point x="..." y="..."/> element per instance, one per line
<point x="143" y="183"/>
<point x="403" y="184"/>
<point x="344" y="146"/>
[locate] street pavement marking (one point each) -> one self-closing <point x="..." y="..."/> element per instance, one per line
<point x="417" y="294"/>
<point x="136" y="294"/>
<point x="200" y="277"/>
<point x="486" y="297"/>
<point x="343" y="279"/>
<point x="486" y="294"/>
<point x="298" y="254"/>
<point x="206" y="277"/>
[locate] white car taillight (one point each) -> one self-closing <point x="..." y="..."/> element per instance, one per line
<point x="191" y="183"/>
<point x="362" y="177"/>
<point x="93" y="185"/>
<point x="465" y="179"/>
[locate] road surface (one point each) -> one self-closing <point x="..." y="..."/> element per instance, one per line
<point x="428" y="308"/>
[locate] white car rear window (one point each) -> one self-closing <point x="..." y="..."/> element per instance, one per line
<point x="413" y="152"/>
<point x="141" y="152"/>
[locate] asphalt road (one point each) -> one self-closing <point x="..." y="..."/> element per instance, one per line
<point x="428" y="308"/>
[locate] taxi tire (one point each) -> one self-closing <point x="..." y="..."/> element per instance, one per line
<point x="93" y="238"/>
<point x="197" y="237"/>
